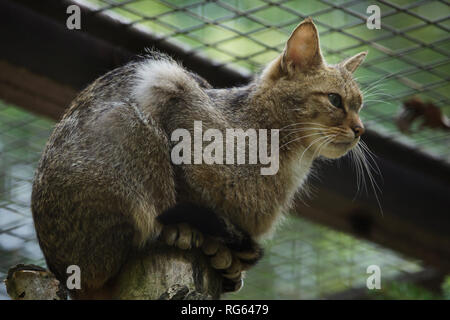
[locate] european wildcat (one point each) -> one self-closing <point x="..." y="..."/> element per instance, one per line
<point x="105" y="184"/>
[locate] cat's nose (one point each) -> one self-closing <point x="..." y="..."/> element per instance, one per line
<point x="358" y="130"/>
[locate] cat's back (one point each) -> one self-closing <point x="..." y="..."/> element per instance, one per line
<point x="114" y="137"/>
<point x="103" y="142"/>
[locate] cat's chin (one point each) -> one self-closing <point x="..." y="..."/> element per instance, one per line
<point x="336" y="150"/>
<point x="332" y="156"/>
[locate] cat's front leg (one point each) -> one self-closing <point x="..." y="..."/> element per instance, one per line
<point x="230" y="249"/>
<point x="185" y="237"/>
<point x="230" y="263"/>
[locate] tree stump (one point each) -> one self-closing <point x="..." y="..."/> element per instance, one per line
<point x="161" y="272"/>
<point x="169" y="273"/>
<point x="31" y="282"/>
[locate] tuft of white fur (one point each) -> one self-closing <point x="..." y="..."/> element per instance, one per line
<point x="164" y="74"/>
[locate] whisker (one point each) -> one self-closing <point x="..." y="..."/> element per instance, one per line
<point x="378" y="96"/>
<point x="374" y="91"/>
<point x="360" y="178"/>
<point x="376" y="100"/>
<point x="300" y="138"/>
<point x="323" y="145"/>
<point x="355" y="166"/>
<point x="373" y="182"/>
<point x="361" y="168"/>
<point x="303" y="129"/>
<point x="312" y="143"/>
<point x="372" y="157"/>
<point x="303" y="123"/>
<point x="375" y="88"/>
<point x="294" y="131"/>
<point x="379" y="92"/>
<point x="379" y="80"/>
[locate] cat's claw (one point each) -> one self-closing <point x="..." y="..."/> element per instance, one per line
<point x="230" y="285"/>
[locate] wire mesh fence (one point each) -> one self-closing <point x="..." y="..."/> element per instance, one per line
<point x="408" y="56"/>
<point x="22" y="138"/>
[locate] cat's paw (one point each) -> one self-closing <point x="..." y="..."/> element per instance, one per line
<point x="220" y="256"/>
<point x="182" y="236"/>
<point x="231" y="263"/>
<point x="226" y="263"/>
<point x="233" y="276"/>
<point x="249" y="256"/>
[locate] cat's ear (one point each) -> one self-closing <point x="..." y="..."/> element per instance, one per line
<point x="302" y="51"/>
<point x="351" y="64"/>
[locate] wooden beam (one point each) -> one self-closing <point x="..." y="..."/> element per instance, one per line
<point x="36" y="93"/>
<point x="408" y="237"/>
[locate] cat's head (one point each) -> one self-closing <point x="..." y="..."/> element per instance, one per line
<point x="319" y="103"/>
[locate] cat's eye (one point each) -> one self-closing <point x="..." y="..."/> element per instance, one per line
<point x="335" y="100"/>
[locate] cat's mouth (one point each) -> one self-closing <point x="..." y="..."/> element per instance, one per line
<point x="337" y="149"/>
<point x="342" y="144"/>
